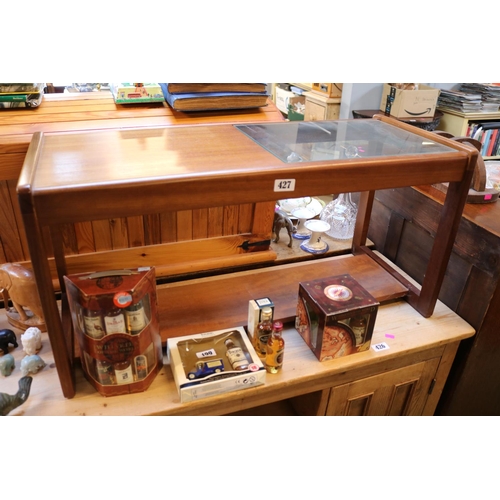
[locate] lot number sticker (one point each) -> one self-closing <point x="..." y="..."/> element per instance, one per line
<point x="284" y="185"/>
<point x="380" y="347"/>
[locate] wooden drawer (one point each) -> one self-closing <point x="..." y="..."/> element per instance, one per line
<point x="319" y="107"/>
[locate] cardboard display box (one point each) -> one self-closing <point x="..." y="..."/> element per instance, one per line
<point x="127" y="93"/>
<point x="285" y="98"/>
<point x="255" y="307"/>
<point x="419" y="103"/>
<point x="335" y="316"/>
<point x="201" y="364"/>
<point x="115" y="318"/>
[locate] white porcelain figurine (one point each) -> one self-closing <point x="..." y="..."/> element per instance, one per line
<point x="31" y="340"/>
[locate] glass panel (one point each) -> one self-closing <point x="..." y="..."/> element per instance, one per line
<point x="294" y="142"/>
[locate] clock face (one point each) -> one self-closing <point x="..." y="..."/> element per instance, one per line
<point x="338" y="293"/>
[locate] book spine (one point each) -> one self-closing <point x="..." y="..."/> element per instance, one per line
<point x="484" y="141"/>
<point x="478" y="133"/>
<point x="491" y="144"/>
<point x="496" y="146"/>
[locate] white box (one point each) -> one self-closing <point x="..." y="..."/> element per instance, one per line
<point x="283" y="99"/>
<point x="254" y="315"/>
<point x="216" y="375"/>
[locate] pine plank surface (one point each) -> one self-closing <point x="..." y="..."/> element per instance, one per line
<point x="410" y="337"/>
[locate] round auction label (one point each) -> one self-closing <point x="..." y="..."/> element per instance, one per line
<point x="122" y="299"/>
<point x="339" y="293"/>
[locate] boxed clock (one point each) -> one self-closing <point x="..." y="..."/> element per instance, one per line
<point x="115" y="319"/>
<point x="335" y="316"/>
<point x="212" y="363"/>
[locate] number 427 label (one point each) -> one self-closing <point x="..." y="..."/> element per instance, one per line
<point x="284" y="185"/>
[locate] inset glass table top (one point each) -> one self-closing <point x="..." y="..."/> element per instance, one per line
<point x="309" y="141"/>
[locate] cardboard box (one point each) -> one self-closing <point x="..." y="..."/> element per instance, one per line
<point x="419" y="103"/>
<point x="201" y="366"/>
<point x="127" y="93"/>
<point x="296" y="108"/>
<point x="328" y="89"/>
<point x="254" y="315"/>
<point x="115" y="318"/>
<point x="283" y="99"/>
<point x="335" y="316"/>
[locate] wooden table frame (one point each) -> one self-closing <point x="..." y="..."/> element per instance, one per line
<point x="243" y="171"/>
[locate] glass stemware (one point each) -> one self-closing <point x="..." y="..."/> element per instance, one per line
<point x="340" y="214"/>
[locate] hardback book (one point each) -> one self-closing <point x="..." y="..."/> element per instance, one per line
<point x="189" y="88"/>
<point x="489" y="151"/>
<point x="210" y="101"/>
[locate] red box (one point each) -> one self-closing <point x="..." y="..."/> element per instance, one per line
<point x="335" y="316"/>
<point x="115" y="318"/>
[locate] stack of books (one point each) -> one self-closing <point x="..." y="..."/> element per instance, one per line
<point x="21" y="95"/>
<point x="489" y="92"/>
<point x="214" y="96"/>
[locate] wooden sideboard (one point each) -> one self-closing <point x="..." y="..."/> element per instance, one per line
<point x="403" y="228"/>
<point x="172" y="233"/>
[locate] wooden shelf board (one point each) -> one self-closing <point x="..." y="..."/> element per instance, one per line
<point x="217" y="302"/>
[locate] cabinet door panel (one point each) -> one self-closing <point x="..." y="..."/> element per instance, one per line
<point x="398" y="392"/>
<point x="314" y="112"/>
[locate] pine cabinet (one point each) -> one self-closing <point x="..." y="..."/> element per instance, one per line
<point x="396" y="393"/>
<point x="320" y="107"/>
<point x="412" y="388"/>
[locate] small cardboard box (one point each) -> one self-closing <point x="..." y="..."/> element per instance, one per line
<point x="419" y="103"/>
<point x="283" y="99"/>
<point x="296" y="108"/>
<point x="255" y="307"/>
<point x="201" y="368"/>
<point x="115" y="318"/>
<point x="129" y="93"/>
<point x="335" y="316"/>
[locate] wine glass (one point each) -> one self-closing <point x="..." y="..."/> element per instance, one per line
<point x="340" y="214"/>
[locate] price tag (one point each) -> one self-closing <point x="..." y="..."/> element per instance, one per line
<point x="284" y="185"/>
<point x="380" y="347"/>
<point x="206" y="354"/>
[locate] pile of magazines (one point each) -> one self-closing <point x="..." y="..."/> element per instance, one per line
<point x="471" y="98"/>
<point x="490" y="94"/>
